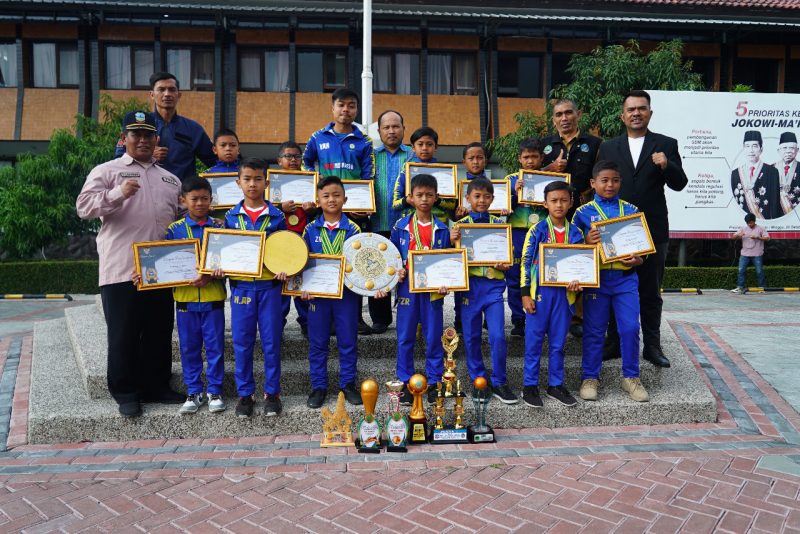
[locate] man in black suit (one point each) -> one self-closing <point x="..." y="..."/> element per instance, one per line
<point x="788" y="172"/>
<point x="648" y="161"/>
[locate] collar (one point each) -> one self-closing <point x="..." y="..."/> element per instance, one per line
<point x="191" y="222"/>
<point x="599" y="199"/>
<point x="415" y="159"/>
<point x="471" y="176"/>
<point x="160" y="119"/>
<point x="355" y="133"/>
<point x="480" y="216"/>
<point x="319" y="222"/>
<point x="233" y="166"/>
<point x="571" y="139"/>
<point x="403" y="148"/>
<point x="127" y="159"/>
<point x="405" y="221"/>
<point x="271" y="210"/>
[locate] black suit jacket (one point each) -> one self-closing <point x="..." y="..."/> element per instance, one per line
<point x="643" y="185"/>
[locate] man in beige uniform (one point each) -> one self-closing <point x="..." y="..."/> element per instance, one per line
<point x="136" y="200"/>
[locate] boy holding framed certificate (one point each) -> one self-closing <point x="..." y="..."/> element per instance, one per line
<point x="619" y="289"/>
<point x="256" y="302"/>
<point x="420" y="231"/>
<point x="226" y="148"/>
<point x="485" y="299"/>
<point x="549" y="309"/>
<point x="326" y="235"/>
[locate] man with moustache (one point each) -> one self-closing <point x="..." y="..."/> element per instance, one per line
<point x="788" y="172"/>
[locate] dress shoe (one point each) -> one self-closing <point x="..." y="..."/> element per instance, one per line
<point x="655" y="356"/>
<point x="519" y="329"/>
<point x="379" y="328"/>
<point x="576" y="329"/>
<point x="363" y="328"/>
<point x="165" y="396"/>
<point x="130" y="409"/>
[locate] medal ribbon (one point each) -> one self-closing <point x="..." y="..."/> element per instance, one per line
<point x="243" y="226"/>
<point x="335" y="247"/>
<point x="552" y="231"/>
<point x="602" y="213"/>
<point x="415" y="228"/>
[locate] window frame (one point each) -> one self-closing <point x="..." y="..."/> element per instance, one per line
<point x="193" y="49"/>
<point x="393" y="53"/>
<point x="262" y="61"/>
<point x="324" y="51"/>
<point x="133" y="47"/>
<point x="453" y="53"/>
<point x="517" y="55"/>
<point x="59" y="44"/>
<point x="13" y="44"/>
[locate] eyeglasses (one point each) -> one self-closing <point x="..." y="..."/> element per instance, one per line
<point x="290" y="156"/>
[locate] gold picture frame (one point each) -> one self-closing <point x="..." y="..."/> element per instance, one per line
<point x="477" y="228"/>
<point x="292" y="286"/>
<point x="532" y="199"/>
<point x="608" y="250"/>
<point x="246" y="234"/>
<point x="143" y="251"/>
<point x="222" y="179"/>
<point x="272" y="175"/>
<point x="462" y="199"/>
<point x="359" y="183"/>
<point x="417" y="257"/>
<point x="437" y="171"/>
<point x="550" y="251"/>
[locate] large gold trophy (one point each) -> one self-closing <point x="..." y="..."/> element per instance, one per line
<point x="450" y="387"/>
<point x="369" y="428"/>
<point x="418" y="422"/>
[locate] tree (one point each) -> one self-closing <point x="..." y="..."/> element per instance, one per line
<point x="37" y="195"/>
<point x="506" y="147"/>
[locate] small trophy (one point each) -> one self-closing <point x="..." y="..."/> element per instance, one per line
<point x="418" y="385"/>
<point x="455" y="433"/>
<point x="396" y="426"/>
<point x="480" y="432"/>
<point x="369" y="429"/>
<point x="337" y="427"/>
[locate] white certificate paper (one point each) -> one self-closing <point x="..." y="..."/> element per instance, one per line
<point x="240" y="255"/>
<point x="176" y="266"/>
<point x="500" y="200"/>
<point x="562" y="265"/>
<point x="432" y="271"/>
<point x="295" y="187"/>
<point x="624" y="238"/>
<point x="225" y="191"/>
<point x="444" y="182"/>
<point x="533" y="185"/>
<point x="321" y="277"/>
<point x="359" y="196"/>
<point x="486" y="245"/>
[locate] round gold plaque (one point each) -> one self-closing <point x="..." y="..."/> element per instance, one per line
<point x="285" y="252"/>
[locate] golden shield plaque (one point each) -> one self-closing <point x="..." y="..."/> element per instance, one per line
<point x="285" y="252"/>
<point x="371" y="264"/>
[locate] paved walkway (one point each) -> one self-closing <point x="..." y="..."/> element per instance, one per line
<point x="739" y="474"/>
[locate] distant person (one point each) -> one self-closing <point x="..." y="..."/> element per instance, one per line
<point x="788" y="172"/>
<point x="753" y="238"/>
<point x="226" y="149"/>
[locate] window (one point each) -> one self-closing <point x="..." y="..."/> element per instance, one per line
<point x="560" y="76"/>
<point x="55" y="65"/>
<point x="760" y="74"/>
<point x="319" y="71"/>
<point x="193" y="67"/>
<point x="8" y="65"/>
<point x="792" y="84"/>
<point x="519" y="76"/>
<point x="706" y="67"/>
<point x="452" y="74"/>
<point x="128" y="66"/>
<point x="264" y="71"/>
<point x="396" y="73"/>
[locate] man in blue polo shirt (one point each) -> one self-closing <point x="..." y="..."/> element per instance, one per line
<point x="180" y="140"/>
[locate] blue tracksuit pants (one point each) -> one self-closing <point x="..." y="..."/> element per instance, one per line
<point x="485" y="297"/>
<point x="552" y="317"/>
<point x="343" y="313"/>
<point x="413" y="309"/>
<point x="618" y="291"/>
<point x="194" y="329"/>
<point x="256" y="304"/>
<point x="300" y="305"/>
<point x="513" y="274"/>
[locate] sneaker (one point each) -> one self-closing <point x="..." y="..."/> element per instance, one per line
<point x="352" y="395"/>
<point x="530" y="396"/>
<point x="406" y="399"/>
<point x="216" y="404"/>
<point x="737" y="290"/>
<point x="317" y="398"/>
<point x="519" y="329"/>
<point x="634" y="388"/>
<point x="193" y="403"/>
<point x="245" y="406"/>
<point x="561" y="394"/>
<point x="432" y="394"/>
<point x="504" y="394"/>
<point x="272" y="405"/>
<point x="588" y="390"/>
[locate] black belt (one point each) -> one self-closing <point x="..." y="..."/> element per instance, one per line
<point x="215" y="305"/>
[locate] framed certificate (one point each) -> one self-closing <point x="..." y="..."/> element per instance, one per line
<point x="166" y="263"/>
<point x="236" y="252"/>
<point x="225" y="192"/>
<point x="322" y="277"/>
<point x="486" y="244"/>
<point x="428" y="270"/>
<point x="446" y="177"/>
<point x="360" y="196"/>
<point x="297" y="186"/>
<point x="560" y="264"/>
<point x="624" y="236"/>
<point x="501" y="201"/>
<point x="534" y="182"/>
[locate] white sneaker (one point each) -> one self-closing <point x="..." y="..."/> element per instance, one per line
<point x="216" y="404"/>
<point x="737" y="290"/>
<point x="193" y="403"/>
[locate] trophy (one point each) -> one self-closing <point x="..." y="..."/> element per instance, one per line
<point x="336" y="426"/>
<point x="480" y="432"/>
<point x="418" y="385"/>
<point x="369" y="429"/>
<point x="396" y="426"/>
<point x="449" y="387"/>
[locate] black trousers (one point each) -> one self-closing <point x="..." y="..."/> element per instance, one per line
<point x="139" y="340"/>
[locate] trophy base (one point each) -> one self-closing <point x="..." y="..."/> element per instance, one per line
<point x="481" y="436"/>
<point x="392" y="448"/>
<point x="449" y="436"/>
<point x="375" y="449"/>
<point x="419" y="432"/>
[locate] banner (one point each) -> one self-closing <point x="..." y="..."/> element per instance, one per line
<point x="739" y="152"/>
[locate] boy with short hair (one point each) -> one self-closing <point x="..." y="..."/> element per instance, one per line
<point x="549" y="309"/>
<point x="326" y="235"/>
<point x="420" y="231"/>
<point x="226" y="148"/>
<point x="619" y="290"/>
<point x="753" y="237"/>
<point x="256" y="302"/>
<point x="485" y="299"/>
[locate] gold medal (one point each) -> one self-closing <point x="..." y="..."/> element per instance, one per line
<point x="490" y="273"/>
<point x="533" y="218"/>
<point x="293" y="219"/>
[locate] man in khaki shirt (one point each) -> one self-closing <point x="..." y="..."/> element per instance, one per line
<point x="136" y="200"/>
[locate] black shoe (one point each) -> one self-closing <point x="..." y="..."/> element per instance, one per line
<point x="530" y="396"/>
<point x="576" y="329"/>
<point x="655" y="356"/>
<point x="165" y="396"/>
<point x="379" y="328"/>
<point x="457" y="326"/>
<point x="504" y="394"/>
<point x="244" y="408"/>
<point x="130" y="409"/>
<point x="363" y="328"/>
<point x="333" y="330"/>
<point x="611" y="351"/>
<point x="304" y="330"/>
<point x="272" y="405"/>
<point x="317" y="398"/>
<point x="561" y="394"/>
<point x="432" y="394"/>
<point x="406" y="399"/>
<point x="485" y="325"/>
<point x="519" y="329"/>
<point x="352" y="395"/>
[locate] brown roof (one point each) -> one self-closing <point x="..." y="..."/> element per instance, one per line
<point x="758" y="4"/>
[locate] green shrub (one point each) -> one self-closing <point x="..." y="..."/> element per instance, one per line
<point x="725" y="277"/>
<point x="49" y="277"/>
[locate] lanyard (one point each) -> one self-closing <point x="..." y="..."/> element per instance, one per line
<point x="336" y="246"/>
<point x="552" y="231"/>
<point x="243" y="226"/>
<point x="417" y="238"/>
<point x="602" y="213"/>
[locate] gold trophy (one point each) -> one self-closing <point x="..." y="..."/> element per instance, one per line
<point x="369" y="429"/>
<point x="396" y="426"/>
<point x="455" y="433"/>
<point x="480" y="432"/>
<point x="418" y="385"/>
<point x="337" y="427"/>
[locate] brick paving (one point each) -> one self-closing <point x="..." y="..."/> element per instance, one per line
<point x="710" y="477"/>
